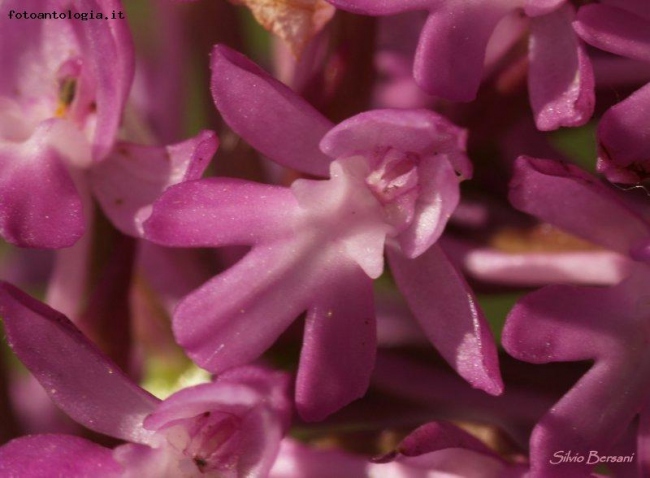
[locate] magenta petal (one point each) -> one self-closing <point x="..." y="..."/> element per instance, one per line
<point x="128" y="182"/>
<point x="450" y="55"/>
<point x="615" y="30"/>
<point x="561" y="316"/>
<point x="80" y="379"/>
<point x="624" y="139"/>
<point x="560" y="77"/>
<point x="338" y="352"/>
<point x="436" y="436"/>
<point x="267" y="114"/>
<point x="56" y="456"/>
<point x="561" y="323"/>
<point x="51" y="219"/>
<point x="211" y="322"/>
<point x="218" y="212"/>
<point x="447" y="311"/>
<point x="544" y="188"/>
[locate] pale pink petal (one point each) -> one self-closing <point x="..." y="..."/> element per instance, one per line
<point x="449" y="315"/>
<point x="338" y="351"/>
<point x="536" y="269"/>
<point x="615" y="30"/>
<point x="56" y="456"/>
<point x="230" y="427"/>
<point x="438" y="198"/>
<point x="560" y="76"/>
<point x="413" y="131"/>
<point x="267" y="114"/>
<point x="134" y="176"/>
<point x="79" y="378"/>
<point x="218" y="212"/>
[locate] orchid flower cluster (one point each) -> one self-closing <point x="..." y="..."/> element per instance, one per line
<point x="325" y="238"/>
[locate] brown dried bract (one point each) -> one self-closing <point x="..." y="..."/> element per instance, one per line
<point x="294" y="21"/>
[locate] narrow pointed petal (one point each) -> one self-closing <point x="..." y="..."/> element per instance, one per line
<point x="447" y="311"/>
<point x="560" y="77"/>
<point x="615" y="30"/>
<point x="79" y="378"/>
<point x="134" y="176"/>
<point x="212" y="321"/>
<point x="624" y="139"/>
<point x="338" y="352"/>
<point x="437" y="436"/>
<point x="51" y="219"/>
<point x="448" y="60"/>
<point x="245" y="212"/>
<point x="56" y="456"/>
<point x="543" y="188"/>
<point x="267" y="114"/>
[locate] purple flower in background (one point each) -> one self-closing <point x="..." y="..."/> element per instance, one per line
<point x="568" y="323"/>
<point x="61" y="109"/>
<point x="60" y="106"/>
<point x="230" y="427"/>
<point x="451" y="52"/>
<point x="433" y="450"/>
<point x="316" y="246"/>
<point x="623" y="28"/>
